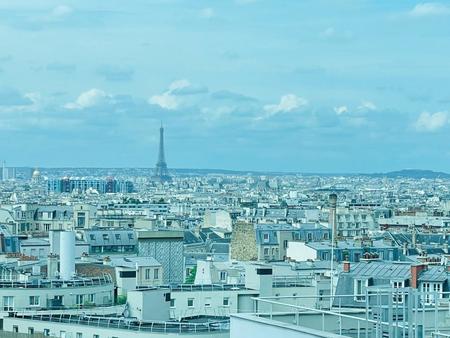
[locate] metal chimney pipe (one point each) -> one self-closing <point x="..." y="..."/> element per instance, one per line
<point x="332" y="217"/>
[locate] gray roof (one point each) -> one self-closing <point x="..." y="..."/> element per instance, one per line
<point x="381" y="269"/>
<point x="434" y="274"/>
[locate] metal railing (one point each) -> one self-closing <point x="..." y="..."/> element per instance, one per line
<point x="122" y="323"/>
<point x="384" y="312"/>
<point x="105" y="279"/>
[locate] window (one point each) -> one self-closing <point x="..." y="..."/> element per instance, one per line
<point x="309" y="236"/>
<point x="92" y="237"/>
<point x="360" y="286"/>
<point x="172" y="302"/>
<point x="130" y="236"/>
<point x="147" y="274"/>
<point x="430" y="290"/>
<point x="34" y="300"/>
<point x="127" y="274"/>
<point x="226" y="301"/>
<point x="79" y="299"/>
<point x="92" y="298"/>
<point x="15" y="328"/>
<point x="96" y="336"/>
<point x="105" y="237"/>
<point x="285" y="244"/>
<point x="79" y="335"/>
<point x="118" y="237"/>
<point x="8" y="303"/>
<point x="266" y="237"/>
<point x="266" y="251"/>
<point x="47" y="333"/>
<point x="156" y="274"/>
<point x="223" y="276"/>
<point x="190" y="302"/>
<point x="208" y="302"/>
<point x="397" y="296"/>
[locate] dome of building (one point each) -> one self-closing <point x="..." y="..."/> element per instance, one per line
<point x="36" y="173"/>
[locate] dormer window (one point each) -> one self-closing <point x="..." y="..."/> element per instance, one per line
<point x="359" y="289"/>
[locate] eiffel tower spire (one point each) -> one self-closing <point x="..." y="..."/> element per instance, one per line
<point x="161" y="171"/>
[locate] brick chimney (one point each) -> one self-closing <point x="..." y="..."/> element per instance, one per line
<point x="346" y="266"/>
<point x="415" y="273"/>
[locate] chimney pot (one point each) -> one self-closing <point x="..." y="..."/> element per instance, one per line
<point x="346" y="266"/>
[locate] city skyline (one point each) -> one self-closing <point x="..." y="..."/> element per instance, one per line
<point x="242" y="85"/>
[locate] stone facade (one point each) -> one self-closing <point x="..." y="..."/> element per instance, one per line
<point x="243" y="242"/>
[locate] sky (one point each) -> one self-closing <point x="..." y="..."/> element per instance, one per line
<point x="304" y="86"/>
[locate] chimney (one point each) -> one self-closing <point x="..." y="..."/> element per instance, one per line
<point x="346" y="266"/>
<point x="415" y="273"/>
<point x="332" y="217"/>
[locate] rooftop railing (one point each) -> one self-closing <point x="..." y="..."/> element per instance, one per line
<point x="56" y="283"/>
<point x="121" y="323"/>
<point x="382" y="312"/>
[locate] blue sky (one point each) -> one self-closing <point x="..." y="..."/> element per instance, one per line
<point x="308" y="86"/>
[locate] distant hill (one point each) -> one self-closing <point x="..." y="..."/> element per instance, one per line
<point x="413" y="173"/>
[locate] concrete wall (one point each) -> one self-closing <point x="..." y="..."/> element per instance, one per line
<point x="299" y="251"/>
<point x="102" y="295"/>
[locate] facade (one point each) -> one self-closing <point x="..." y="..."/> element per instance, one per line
<point x="102" y="186"/>
<point x="272" y="239"/>
<point x="352" y="251"/>
<point x="136" y="272"/>
<point x="39" y="294"/>
<point x="166" y="246"/>
<point x="354" y="223"/>
<point x="111" y="241"/>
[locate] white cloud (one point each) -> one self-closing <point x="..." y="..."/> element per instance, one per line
<point x="340" y="110"/>
<point x="429" y="9"/>
<point x="165" y="100"/>
<point x="288" y="102"/>
<point x="90" y="98"/>
<point x="429" y="122"/>
<point x="367" y="105"/>
<point x="179" y="84"/>
<point x="207" y="13"/>
<point x="172" y="97"/>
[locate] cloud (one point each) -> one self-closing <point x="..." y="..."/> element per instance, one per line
<point x="288" y="102"/>
<point x="207" y="13"/>
<point x="170" y="99"/>
<point x="340" y="110"/>
<point x="429" y="9"/>
<point x="367" y="105"/>
<point x="115" y="73"/>
<point x="90" y="98"/>
<point x="430" y="122"/>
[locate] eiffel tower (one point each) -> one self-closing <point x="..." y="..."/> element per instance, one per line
<point x="161" y="173"/>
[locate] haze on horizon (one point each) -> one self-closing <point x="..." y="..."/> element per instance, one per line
<point x="299" y="86"/>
